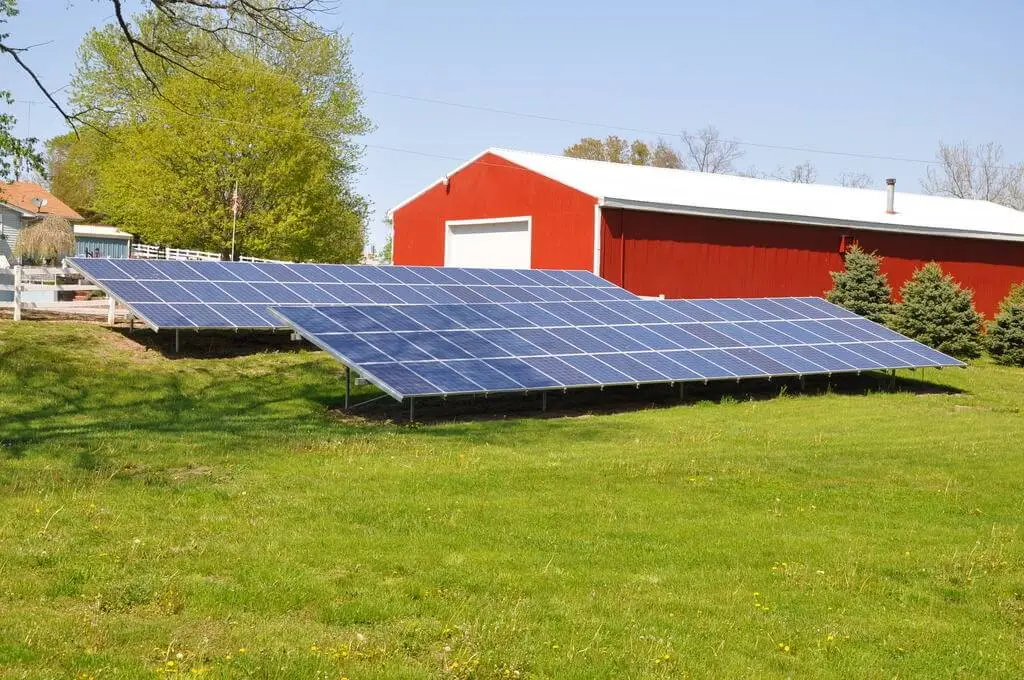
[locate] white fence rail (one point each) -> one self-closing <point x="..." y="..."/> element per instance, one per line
<point x="42" y="279"/>
<point x="185" y="254"/>
<point x="244" y="258"/>
<point x="145" y="251"/>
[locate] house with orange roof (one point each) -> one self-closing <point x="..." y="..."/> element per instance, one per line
<point x="22" y="203"/>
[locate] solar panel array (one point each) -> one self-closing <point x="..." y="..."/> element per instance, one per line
<point x="173" y="294"/>
<point x="449" y="349"/>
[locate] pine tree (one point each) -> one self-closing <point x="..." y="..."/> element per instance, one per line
<point x="862" y="288"/>
<point x="1006" y="334"/>
<point x="937" y="312"/>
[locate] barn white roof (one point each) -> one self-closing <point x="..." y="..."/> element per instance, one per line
<point x="697" y="193"/>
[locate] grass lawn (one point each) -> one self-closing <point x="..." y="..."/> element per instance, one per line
<point x="163" y="516"/>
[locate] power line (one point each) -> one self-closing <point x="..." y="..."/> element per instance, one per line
<point x="643" y="131"/>
<point x="555" y="119"/>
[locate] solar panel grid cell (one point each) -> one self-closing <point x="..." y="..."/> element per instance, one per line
<point x="538" y="344"/>
<point x="240" y="316"/>
<point x="219" y="283"/>
<point x="483" y="374"/>
<point x="640" y="352"/>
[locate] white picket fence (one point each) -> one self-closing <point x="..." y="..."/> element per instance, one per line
<point x="42" y="279"/>
<point x="143" y="251"/>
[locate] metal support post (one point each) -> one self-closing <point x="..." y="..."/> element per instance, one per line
<point x="177" y="341"/>
<point x="131" y="323"/>
<point x="892" y="379"/>
<point x="111" y="310"/>
<point x="412" y="409"/>
<point x="682" y="391"/>
<point x="348" y="384"/>
<point x="543" y="401"/>
<point x="17" y="293"/>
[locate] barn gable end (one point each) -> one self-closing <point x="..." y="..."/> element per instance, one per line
<point x="684" y="234"/>
<point x="491" y="188"/>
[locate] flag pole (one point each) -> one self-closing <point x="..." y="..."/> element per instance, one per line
<point x="234" y="218"/>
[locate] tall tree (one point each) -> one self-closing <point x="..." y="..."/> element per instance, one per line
<point x="804" y="173"/>
<point x="16" y="154"/>
<point x="706" y="151"/>
<point x="71" y="163"/>
<point x="861" y="287"/>
<point x="935" y="310"/>
<point x="163" y="161"/>
<point x="664" y="156"/>
<point x="854" y="180"/>
<point x="980" y="172"/>
<point x="223" y="21"/>
<point x="1005" y="337"/>
<point x="615" y="149"/>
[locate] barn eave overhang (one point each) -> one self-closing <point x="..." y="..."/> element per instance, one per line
<point x="809" y="220"/>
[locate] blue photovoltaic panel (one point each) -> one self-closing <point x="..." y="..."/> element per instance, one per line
<point x="174" y="282"/>
<point x="423" y="350"/>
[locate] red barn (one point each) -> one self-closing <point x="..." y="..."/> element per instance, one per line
<point x="685" y="234"/>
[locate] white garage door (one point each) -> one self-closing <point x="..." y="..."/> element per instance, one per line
<point x="495" y="244"/>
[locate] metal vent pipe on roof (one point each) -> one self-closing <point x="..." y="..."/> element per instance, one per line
<point x="890" y="195"/>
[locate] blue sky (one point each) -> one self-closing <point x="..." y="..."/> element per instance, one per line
<point x="877" y="78"/>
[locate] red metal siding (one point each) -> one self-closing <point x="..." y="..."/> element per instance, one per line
<point x="563" y="218"/>
<point x="689" y="256"/>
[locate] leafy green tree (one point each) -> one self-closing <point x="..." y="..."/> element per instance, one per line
<point x="1005" y="337"/>
<point x="278" y="117"/>
<point x="615" y="149"/>
<point x="862" y="287"/>
<point x="936" y="311"/>
<point x="71" y="163"/>
<point x="48" y="240"/>
<point x="231" y="25"/>
<point x="387" y="251"/>
<point x="15" y="153"/>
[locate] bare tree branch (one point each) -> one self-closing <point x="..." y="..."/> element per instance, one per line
<point x="977" y="173"/>
<point x="805" y="173"/>
<point x="855" y="180"/>
<point x="15" y="53"/>
<point x="706" y="151"/>
<point x="253" y="19"/>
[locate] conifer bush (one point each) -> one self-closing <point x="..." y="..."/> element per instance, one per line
<point x="936" y="311"/>
<point x="1005" y="338"/>
<point x="862" y="287"/>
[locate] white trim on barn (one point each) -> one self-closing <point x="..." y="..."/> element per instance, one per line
<point x="597" y="237"/>
<point x="491" y="242"/>
<point x="442" y="180"/>
<point x="620" y="185"/>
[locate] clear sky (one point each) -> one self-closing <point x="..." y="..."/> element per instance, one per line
<point x="879" y="78"/>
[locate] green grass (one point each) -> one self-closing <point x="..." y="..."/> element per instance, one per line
<point x="158" y="511"/>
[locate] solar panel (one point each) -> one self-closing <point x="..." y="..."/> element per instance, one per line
<point x="238" y="294"/>
<point x="441" y="350"/>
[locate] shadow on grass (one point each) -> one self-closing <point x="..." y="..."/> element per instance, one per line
<point x="622" y="399"/>
<point x="213" y="344"/>
<point x="75" y="394"/>
<point x="82" y="404"/>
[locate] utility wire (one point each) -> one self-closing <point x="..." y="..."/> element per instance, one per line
<point x="568" y="121"/>
<point x="643" y="131"/>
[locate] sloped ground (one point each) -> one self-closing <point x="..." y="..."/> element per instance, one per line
<point x="164" y="515"/>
